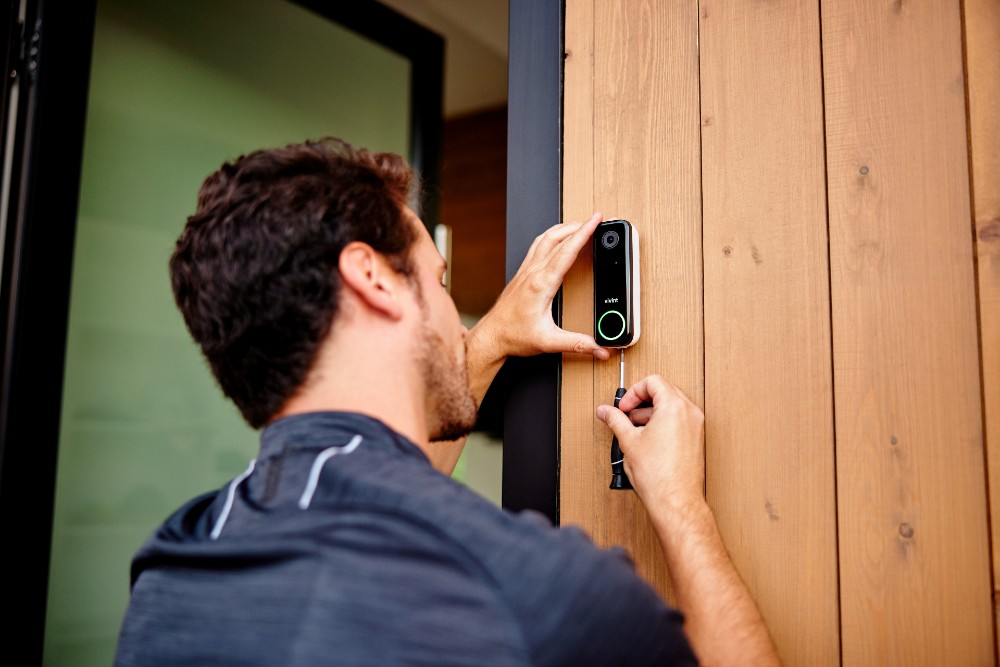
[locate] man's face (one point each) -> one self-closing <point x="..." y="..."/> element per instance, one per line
<point x="440" y="343"/>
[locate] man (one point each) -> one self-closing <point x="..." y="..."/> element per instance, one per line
<point x="316" y="295"/>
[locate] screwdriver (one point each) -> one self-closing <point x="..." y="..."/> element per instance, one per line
<point x="619" y="480"/>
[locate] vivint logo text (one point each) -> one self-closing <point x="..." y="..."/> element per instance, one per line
<point x="612" y="299"/>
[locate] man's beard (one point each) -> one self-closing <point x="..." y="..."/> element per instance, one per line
<point x="451" y="407"/>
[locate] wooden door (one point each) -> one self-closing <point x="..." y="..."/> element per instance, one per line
<point x="800" y="179"/>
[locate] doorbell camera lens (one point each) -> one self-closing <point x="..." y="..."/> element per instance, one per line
<point x="610" y="239"/>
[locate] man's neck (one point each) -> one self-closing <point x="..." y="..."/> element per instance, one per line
<point x="372" y="377"/>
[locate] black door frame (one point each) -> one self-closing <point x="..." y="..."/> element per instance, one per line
<point x="52" y="64"/>
<point x="534" y="203"/>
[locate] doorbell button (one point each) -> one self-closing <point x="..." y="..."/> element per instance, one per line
<point x="610" y="333"/>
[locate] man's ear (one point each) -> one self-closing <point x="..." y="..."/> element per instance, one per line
<point x="367" y="273"/>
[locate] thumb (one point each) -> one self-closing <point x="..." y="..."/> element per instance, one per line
<point x="568" y="341"/>
<point x="617" y="421"/>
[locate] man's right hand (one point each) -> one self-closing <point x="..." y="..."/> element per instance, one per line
<point x="663" y="445"/>
<point x="665" y="460"/>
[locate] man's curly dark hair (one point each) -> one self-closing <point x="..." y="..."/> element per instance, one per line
<point x="255" y="271"/>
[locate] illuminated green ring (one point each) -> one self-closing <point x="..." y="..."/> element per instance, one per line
<point x="601" y="331"/>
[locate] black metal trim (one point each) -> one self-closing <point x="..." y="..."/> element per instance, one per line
<point x="15" y="76"/>
<point x="37" y="267"/>
<point x="534" y="203"/>
<point x="425" y="49"/>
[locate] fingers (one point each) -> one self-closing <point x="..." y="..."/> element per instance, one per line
<point x="527" y="299"/>
<point x="565" y="254"/>
<point x="545" y="243"/>
<point x="601" y="353"/>
<point x="550" y="238"/>
<point x="567" y="341"/>
<point x="617" y="421"/>
<point x="652" y="388"/>
<point x="555" y="252"/>
<point x="640" y="416"/>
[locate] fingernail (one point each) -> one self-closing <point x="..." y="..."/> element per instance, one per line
<point x="601" y="411"/>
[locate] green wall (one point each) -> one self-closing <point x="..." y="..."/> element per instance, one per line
<point x="176" y="88"/>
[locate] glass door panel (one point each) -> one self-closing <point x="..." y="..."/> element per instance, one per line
<point x="176" y="88"/>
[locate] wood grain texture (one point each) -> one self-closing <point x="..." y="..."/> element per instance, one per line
<point x="579" y="460"/>
<point x="913" y="536"/>
<point x="982" y="46"/>
<point x="768" y="386"/>
<point x="645" y="155"/>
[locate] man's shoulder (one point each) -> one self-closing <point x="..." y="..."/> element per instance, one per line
<point x="521" y="554"/>
<point x="448" y="511"/>
<point x="554" y="582"/>
<point x="468" y="521"/>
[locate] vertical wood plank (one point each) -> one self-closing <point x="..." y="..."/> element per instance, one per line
<point x="579" y="460"/>
<point x="914" y="559"/>
<point x="645" y="155"/>
<point x="982" y="44"/>
<point x="768" y="400"/>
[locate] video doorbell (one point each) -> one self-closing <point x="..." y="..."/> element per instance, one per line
<point x="616" y="284"/>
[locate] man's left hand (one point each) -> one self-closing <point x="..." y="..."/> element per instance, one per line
<point x="520" y="324"/>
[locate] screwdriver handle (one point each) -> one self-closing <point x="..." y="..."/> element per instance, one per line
<point x="619" y="480"/>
